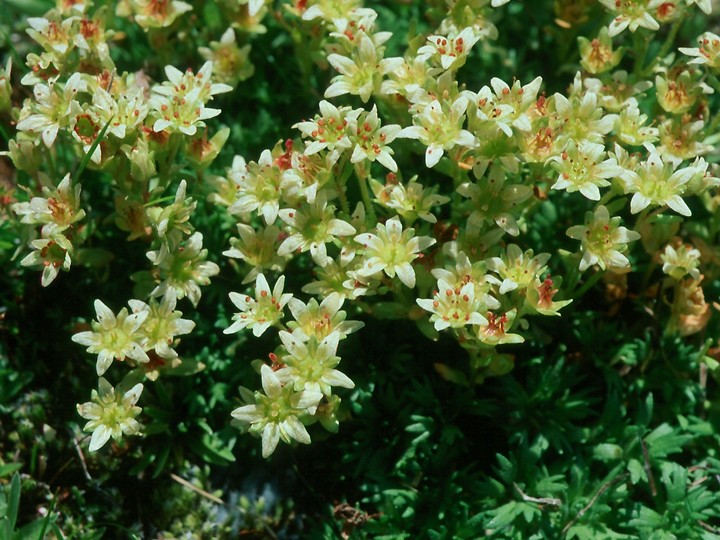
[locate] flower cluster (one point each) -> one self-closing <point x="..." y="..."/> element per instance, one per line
<point x="297" y="385"/>
<point x="505" y="147"/>
<point x="58" y="211"/>
<point x="82" y="113"/>
<point x="412" y="196"/>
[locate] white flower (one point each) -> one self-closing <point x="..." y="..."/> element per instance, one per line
<point x="440" y="129"/>
<point x="603" y="240"/>
<point x="411" y="201"/>
<point x="275" y="414"/>
<point x="371" y="140"/>
<point x="361" y="73"/>
<point x="331" y="129"/>
<point x="654" y="182"/>
<point x="310" y="365"/>
<point x="452" y="51"/>
<point x="312" y="226"/>
<point x="320" y="320"/>
<point x="58" y="210"/>
<point x="162" y="324"/>
<point x="258" y="248"/>
<point x="261" y="312"/>
<point x="50" y="110"/>
<point x="454" y="307"/>
<point x="392" y="251"/>
<point x="704" y="5"/>
<point x="184" y="269"/>
<point x="114" y="337"/>
<point x="518" y="270"/>
<point x="582" y="169"/>
<point x="630" y="14"/>
<point x="708" y="51"/>
<point x="111" y="415"/>
<point x="51" y="254"/>
<point x="677" y="263"/>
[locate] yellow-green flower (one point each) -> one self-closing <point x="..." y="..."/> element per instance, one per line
<point x="392" y="251"/>
<point x="276" y="414"/>
<point x="259" y="313"/>
<point x="604" y="241"/>
<point x="114" y="337"/>
<point x="111" y="414"/>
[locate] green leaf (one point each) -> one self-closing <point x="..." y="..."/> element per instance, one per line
<point x="636" y="470"/>
<point x="598" y="531"/>
<point x="710" y="362"/>
<point x="147" y="458"/>
<point x="551" y="485"/>
<point x="33" y="530"/>
<point x="13" y="501"/>
<point x="450" y="374"/>
<point x="89" y="153"/>
<point x="212" y="15"/>
<point x="428" y="329"/>
<point x="506" y="469"/>
<point x="49" y="520"/>
<point x="209" y="448"/>
<point x="665" y="219"/>
<point x="664" y="440"/>
<point x="189" y="366"/>
<point x="648" y="519"/>
<point x="161" y="460"/>
<point x="674" y="477"/>
<point x="9" y="468"/>
<point x="645" y="412"/>
<point x="663" y="535"/>
<point x="32" y="8"/>
<point x="12" y="382"/>
<point x="607" y="452"/>
<point x="505" y="515"/>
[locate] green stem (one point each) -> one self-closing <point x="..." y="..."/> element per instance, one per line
<point x="174" y="144"/>
<point x="587" y="285"/>
<point x="570" y="280"/>
<point x="5" y="135"/>
<point x="640" y="46"/>
<point x="362" y="181"/>
<point x="341" y="184"/>
<point x="711" y="127"/>
<point x="665" y="47"/>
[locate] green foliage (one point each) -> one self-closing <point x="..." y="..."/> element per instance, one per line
<point x="601" y="424"/>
